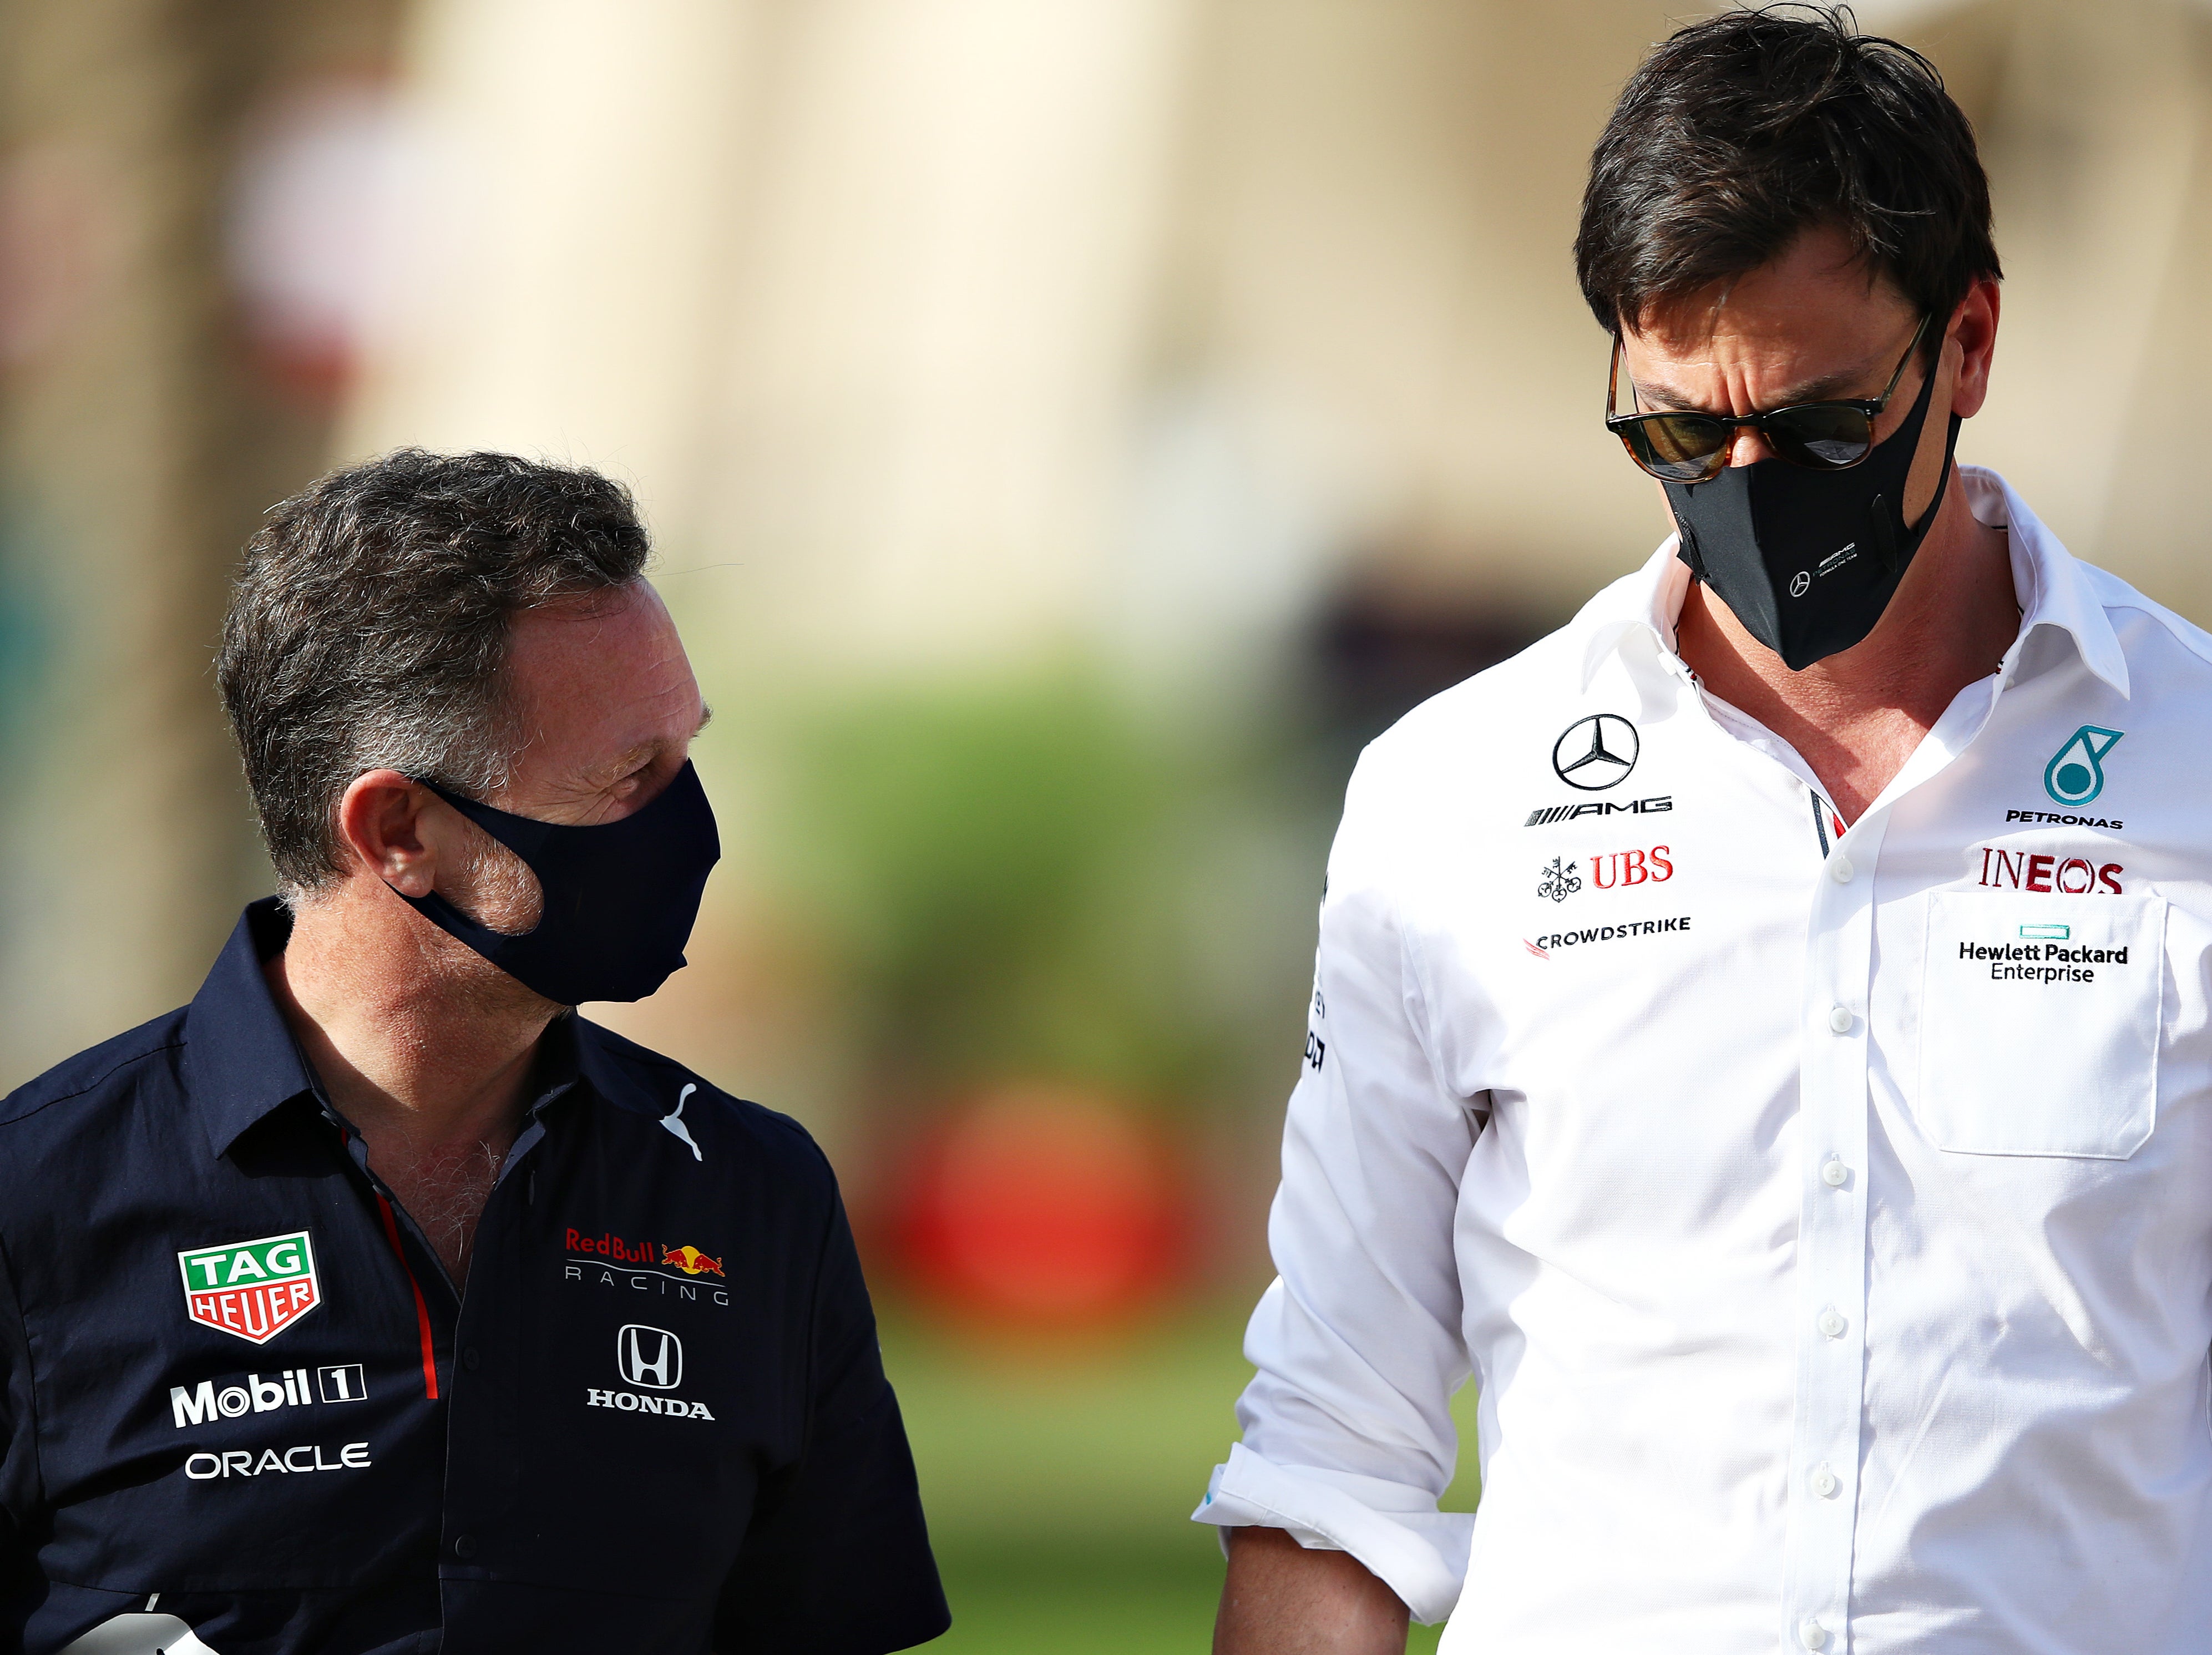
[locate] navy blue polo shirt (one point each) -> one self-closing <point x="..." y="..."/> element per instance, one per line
<point x="236" y="1386"/>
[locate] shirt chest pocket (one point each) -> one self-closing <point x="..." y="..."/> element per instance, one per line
<point x="2040" y="1020"/>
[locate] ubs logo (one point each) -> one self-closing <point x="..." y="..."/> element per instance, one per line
<point x="1596" y="752"/>
<point x="651" y="1359"/>
<point x="1558" y="883"/>
<point x="1622" y="868"/>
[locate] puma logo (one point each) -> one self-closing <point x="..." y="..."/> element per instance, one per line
<point x="674" y="1121"/>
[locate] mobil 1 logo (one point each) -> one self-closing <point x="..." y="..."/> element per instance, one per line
<point x="264" y="1393"/>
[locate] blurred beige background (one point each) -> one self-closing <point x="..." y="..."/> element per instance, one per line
<point x="1070" y="427"/>
<point x="931" y="334"/>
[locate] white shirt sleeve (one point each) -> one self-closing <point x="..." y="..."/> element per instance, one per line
<point x="1348" y="1435"/>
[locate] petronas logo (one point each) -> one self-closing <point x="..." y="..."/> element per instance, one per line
<point x="2076" y="774"/>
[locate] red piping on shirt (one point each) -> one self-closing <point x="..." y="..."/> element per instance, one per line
<point x="421" y="1307"/>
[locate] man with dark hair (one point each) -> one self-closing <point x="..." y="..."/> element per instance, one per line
<point x="1761" y="1033"/>
<point x="376" y="1301"/>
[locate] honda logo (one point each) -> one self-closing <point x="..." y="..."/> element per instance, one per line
<point x="650" y="1358"/>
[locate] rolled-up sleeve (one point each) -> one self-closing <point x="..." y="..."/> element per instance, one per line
<point x="1348" y="1436"/>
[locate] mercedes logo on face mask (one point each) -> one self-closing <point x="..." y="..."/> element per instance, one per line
<point x="1800" y="584"/>
<point x="1596" y="752"/>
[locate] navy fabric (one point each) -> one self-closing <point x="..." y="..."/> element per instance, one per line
<point x="657" y="1420"/>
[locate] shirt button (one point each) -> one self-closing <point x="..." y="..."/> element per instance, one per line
<point x="1840" y="870"/>
<point x="1833" y="1174"/>
<point x="1830" y="1321"/>
<point x="1813" y="1635"/>
<point x="1824" y="1482"/>
<point x="465" y="1546"/>
<point x="1839" y="1018"/>
<point x="469" y="1356"/>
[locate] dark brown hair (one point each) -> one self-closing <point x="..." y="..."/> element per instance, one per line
<point x="1743" y="130"/>
<point x="369" y="627"/>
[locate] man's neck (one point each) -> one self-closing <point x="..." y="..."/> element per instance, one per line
<point x="424" y="1046"/>
<point x="1857" y="716"/>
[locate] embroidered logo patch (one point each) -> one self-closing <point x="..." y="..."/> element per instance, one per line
<point x="689" y="1260"/>
<point x="2076" y="774"/>
<point x="1558" y="883"/>
<point x="252" y="1289"/>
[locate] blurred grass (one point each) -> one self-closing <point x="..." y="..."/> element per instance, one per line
<point x="1058" y="1483"/>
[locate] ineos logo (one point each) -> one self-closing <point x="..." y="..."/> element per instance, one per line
<point x="650" y="1358"/>
<point x="1800" y="583"/>
<point x="1596" y="752"/>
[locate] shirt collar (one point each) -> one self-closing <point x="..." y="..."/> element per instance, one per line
<point x="2053" y="588"/>
<point x="245" y="1064"/>
<point x="620" y="1073"/>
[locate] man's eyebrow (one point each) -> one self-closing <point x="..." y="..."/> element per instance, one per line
<point x="1829" y="387"/>
<point x="645" y="752"/>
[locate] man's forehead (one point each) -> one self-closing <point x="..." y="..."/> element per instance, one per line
<point x="605" y="678"/>
<point x="1775" y="323"/>
<point x="1820" y="283"/>
<point x="1837" y="345"/>
<point x="590" y="635"/>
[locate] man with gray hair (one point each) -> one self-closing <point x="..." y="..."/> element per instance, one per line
<point x="376" y="1301"/>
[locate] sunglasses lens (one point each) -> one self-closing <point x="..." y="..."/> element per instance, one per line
<point x="1824" y="436"/>
<point x="1675" y="447"/>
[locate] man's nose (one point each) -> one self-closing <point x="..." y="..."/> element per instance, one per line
<point x="1749" y="448"/>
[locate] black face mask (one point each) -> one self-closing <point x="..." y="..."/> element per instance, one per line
<point x="1807" y="559"/>
<point x="619" y="898"/>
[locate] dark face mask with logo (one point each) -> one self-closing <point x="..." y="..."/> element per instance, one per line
<point x="1808" y="559"/>
<point x="619" y="898"/>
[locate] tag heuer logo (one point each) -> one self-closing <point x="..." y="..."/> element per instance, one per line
<point x="254" y="1289"/>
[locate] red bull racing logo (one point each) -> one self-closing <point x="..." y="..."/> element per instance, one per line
<point x="251" y="1289"/>
<point x="677" y="1274"/>
<point x="689" y="1260"/>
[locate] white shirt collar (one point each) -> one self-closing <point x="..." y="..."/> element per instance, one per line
<point x="2053" y="588"/>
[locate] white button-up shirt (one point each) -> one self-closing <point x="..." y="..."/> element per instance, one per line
<point x="1824" y="1215"/>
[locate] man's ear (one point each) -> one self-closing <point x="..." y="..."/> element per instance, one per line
<point x="380" y="821"/>
<point x="1974" y="329"/>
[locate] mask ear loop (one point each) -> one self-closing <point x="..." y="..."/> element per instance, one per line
<point x="1884" y="538"/>
<point x="1892" y="556"/>
<point x="1692" y="553"/>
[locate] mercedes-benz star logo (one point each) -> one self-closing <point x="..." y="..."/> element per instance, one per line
<point x="1800" y="584"/>
<point x="1596" y="752"/>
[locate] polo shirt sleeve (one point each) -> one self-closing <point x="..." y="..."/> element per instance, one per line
<point x="1348" y="1436"/>
<point x="19" y="1467"/>
<point x="838" y="1559"/>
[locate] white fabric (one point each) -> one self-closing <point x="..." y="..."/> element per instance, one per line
<point x="1951" y="1392"/>
<point x="139" y="1634"/>
<point x="1394" y="1530"/>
